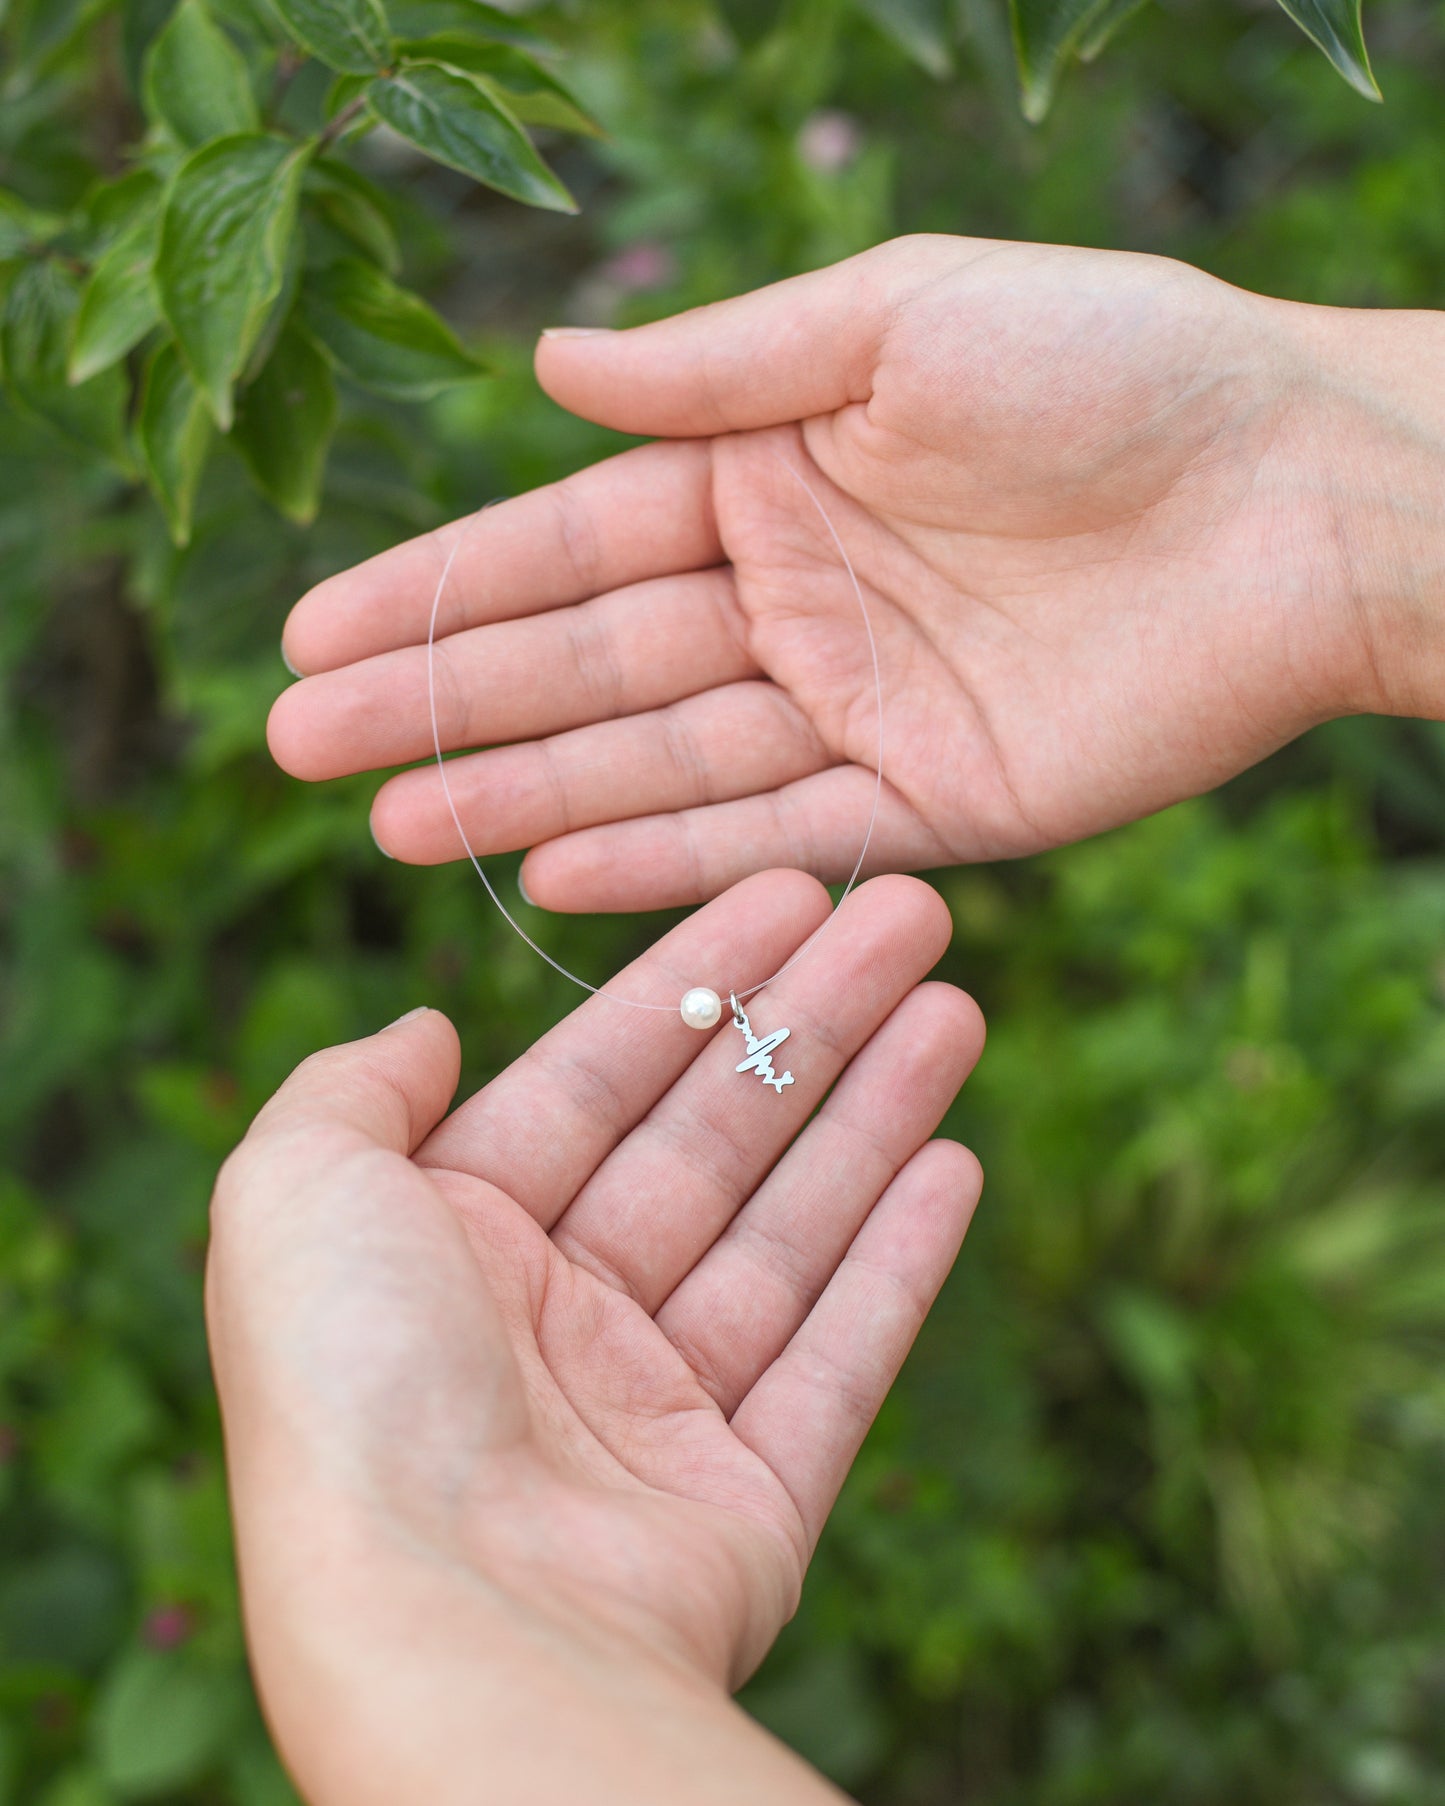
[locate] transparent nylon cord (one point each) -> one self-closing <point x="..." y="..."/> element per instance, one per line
<point x="557" y="966"/>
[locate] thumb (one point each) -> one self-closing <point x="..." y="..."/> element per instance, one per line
<point x="278" y="1192"/>
<point x="328" y="1151"/>
<point x="796" y="349"/>
<point x="346" y="1317"/>
<point x="389" y="1089"/>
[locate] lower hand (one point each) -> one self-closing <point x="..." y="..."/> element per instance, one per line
<point x="535" y="1410"/>
<point x="1122" y="529"/>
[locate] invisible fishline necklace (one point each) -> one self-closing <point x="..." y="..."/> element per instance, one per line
<point x="701" y="1006"/>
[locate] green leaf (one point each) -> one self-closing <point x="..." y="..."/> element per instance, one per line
<point x="1046" y="35"/>
<point x="196" y="80"/>
<point x="340" y="95"/>
<point x="456" y="121"/>
<point x="173" y="431"/>
<point x="1151" y="1339"/>
<point x="23" y="228"/>
<point x="827" y="1708"/>
<point x="34" y="348"/>
<point x="284" y="423"/>
<point x="8" y="274"/>
<point x="161" y="1720"/>
<point x="349" y="35"/>
<point x="226" y="237"/>
<point x="141" y="23"/>
<point x="112" y="206"/>
<point x="278" y="314"/>
<point x="356" y="208"/>
<point x="383" y="336"/>
<point x="44" y="30"/>
<point x="256" y="1777"/>
<point x="119" y="305"/>
<point x="916" y="26"/>
<point x="106" y="1414"/>
<point x="256" y="19"/>
<point x="470" y="18"/>
<point x="77" y="1787"/>
<point x="1335" y="25"/>
<point x="66" y="1604"/>
<point x="1104" y="24"/>
<point x="522" y="84"/>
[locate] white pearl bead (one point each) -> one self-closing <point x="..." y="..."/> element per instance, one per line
<point x="701" y="1008"/>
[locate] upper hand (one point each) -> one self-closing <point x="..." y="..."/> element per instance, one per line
<point x="564" y="1383"/>
<point x="1095" y="507"/>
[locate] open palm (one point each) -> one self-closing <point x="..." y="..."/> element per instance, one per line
<point x="1072" y="485"/>
<point x="605" y="1338"/>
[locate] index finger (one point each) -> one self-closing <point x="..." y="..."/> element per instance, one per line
<point x="645" y="513"/>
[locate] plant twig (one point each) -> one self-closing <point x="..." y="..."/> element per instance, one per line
<point x="339" y="124"/>
<point x="288" y="61"/>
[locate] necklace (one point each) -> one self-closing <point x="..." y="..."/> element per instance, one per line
<point x="701" y="1006"/>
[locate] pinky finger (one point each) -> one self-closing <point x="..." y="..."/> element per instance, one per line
<point x="808" y="1414"/>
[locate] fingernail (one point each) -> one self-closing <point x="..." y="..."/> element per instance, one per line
<point x="575" y="332"/>
<point x="421" y="1010"/>
<point x="376" y="843"/>
<point x="286" y="661"/>
<point x="521" y="886"/>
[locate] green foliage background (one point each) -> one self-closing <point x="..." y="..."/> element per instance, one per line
<point x="1154" y="1514"/>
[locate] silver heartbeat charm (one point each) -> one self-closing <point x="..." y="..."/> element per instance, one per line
<point x="760" y="1053"/>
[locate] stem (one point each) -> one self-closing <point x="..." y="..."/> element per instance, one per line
<point x="338" y="125"/>
<point x="288" y="61"/>
<point x="112" y="118"/>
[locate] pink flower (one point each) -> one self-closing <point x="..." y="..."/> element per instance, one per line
<point x="168" y="1626"/>
<point x="639" y="267"/>
<point x="829" y="141"/>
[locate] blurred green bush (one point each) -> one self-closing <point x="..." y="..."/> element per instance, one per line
<point x="1153" y="1515"/>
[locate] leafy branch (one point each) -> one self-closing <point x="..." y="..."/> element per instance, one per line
<point x="225" y="279"/>
<point x="239" y="264"/>
<point x="1049" y="35"/>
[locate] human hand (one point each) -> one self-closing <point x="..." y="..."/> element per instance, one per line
<point x="1122" y="529"/>
<point x="534" y="1411"/>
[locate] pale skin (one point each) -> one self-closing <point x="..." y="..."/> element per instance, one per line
<point x="1122" y="530"/>
<point x="535" y="1412"/>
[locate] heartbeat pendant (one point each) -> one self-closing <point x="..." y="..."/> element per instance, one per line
<point x="760" y="1053"/>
